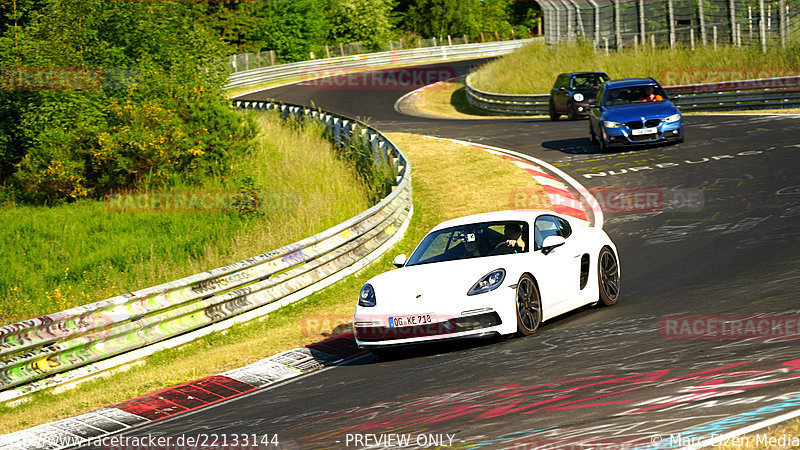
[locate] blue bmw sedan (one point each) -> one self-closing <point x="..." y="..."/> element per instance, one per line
<point x="633" y="111"/>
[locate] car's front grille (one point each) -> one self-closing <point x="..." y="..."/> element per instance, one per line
<point x="652" y="123"/>
<point x="457" y="325"/>
<point x="643" y="137"/>
<point x="634" y="124"/>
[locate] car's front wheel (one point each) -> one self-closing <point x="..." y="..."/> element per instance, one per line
<point x="601" y="142"/>
<point x="608" y="277"/>
<point x="529" y="306"/>
<point x="592" y="136"/>
<point x="571" y="113"/>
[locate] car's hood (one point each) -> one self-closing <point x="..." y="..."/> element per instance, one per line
<point x="649" y="110"/>
<point x="439" y="280"/>
<point x="587" y="92"/>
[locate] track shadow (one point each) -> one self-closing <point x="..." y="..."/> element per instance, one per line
<point x="584" y="146"/>
<point x="573" y="146"/>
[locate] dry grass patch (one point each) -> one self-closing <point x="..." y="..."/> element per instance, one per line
<point x="447" y="100"/>
<point x="533" y="68"/>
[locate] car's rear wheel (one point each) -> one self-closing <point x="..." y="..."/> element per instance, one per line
<point x="529" y="306"/>
<point x="553" y="114"/>
<point x="608" y="277"/>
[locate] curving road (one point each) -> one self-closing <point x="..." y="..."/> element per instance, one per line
<point x="720" y="239"/>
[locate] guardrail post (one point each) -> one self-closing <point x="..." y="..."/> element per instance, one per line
<point x="738" y="34"/>
<point x="671" y="13"/>
<point x="617" y="26"/>
<point x="762" y="30"/>
<point x="782" y="18"/>
<point x="702" y="14"/>
<point x="715" y="37"/>
<point x="641" y="23"/>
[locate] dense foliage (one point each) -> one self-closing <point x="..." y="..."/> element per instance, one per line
<point x="100" y="95"/>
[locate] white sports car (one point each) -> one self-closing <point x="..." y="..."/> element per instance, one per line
<point x="496" y="273"/>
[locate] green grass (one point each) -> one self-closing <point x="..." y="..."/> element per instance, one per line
<point x="62" y="256"/>
<point x="533" y="68"/>
<point x="439" y="194"/>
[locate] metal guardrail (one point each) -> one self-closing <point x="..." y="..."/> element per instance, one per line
<point x="522" y="104"/>
<point x="324" y="67"/>
<point x="51" y="344"/>
<point x="763" y="93"/>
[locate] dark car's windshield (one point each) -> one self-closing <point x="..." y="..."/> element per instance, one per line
<point x="634" y="94"/>
<point x="589" y="81"/>
<point x="471" y="241"/>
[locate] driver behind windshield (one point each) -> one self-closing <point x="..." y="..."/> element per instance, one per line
<point x="513" y="237"/>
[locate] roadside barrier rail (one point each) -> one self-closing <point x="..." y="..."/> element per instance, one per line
<point x="58" y="342"/>
<point x="763" y="93"/>
<point x="324" y="67"/>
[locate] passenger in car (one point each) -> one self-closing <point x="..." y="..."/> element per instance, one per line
<point x="649" y="96"/>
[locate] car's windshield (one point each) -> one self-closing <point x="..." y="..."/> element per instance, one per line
<point x="471" y="241"/>
<point x="591" y="81"/>
<point x="633" y="94"/>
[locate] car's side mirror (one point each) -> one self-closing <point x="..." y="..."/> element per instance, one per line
<point x="399" y="261"/>
<point x="593" y="105"/>
<point x="551" y="242"/>
<point x="674" y="97"/>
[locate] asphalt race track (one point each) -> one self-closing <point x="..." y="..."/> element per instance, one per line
<point x="719" y="240"/>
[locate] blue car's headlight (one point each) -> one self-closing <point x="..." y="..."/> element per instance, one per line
<point x="578" y="97"/>
<point x="488" y="282"/>
<point x="612" y="124"/>
<point x="367" y="296"/>
<point x="673" y="118"/>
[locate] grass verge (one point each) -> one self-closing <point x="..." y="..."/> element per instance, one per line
<point x="87" y="251"/>
<point x="769" y="438"/>
<point x="440" y="173"/>
<point x="533" y="68"/>
<point x="447" y="100"/>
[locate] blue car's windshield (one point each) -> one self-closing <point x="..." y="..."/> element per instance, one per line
<point x="633" y="94"/>
<point x="471" y="241"/>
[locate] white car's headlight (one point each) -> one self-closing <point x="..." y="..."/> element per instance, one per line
<point x="488" y="282"/>
<point x="673" y="118"/>
<point x="578" y="97"/>
<point x="367" y="296"/>
<point x="612" y="124"/>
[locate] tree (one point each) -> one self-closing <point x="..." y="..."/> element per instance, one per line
<point x="104" y="96"/>
<point x="366" y="21"/>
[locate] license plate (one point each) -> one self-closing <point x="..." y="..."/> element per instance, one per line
<point x="641" y="131"/>
<point x="410" y="321"/>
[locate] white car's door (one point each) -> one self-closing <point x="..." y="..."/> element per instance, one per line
<point x="558" y="271"/>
